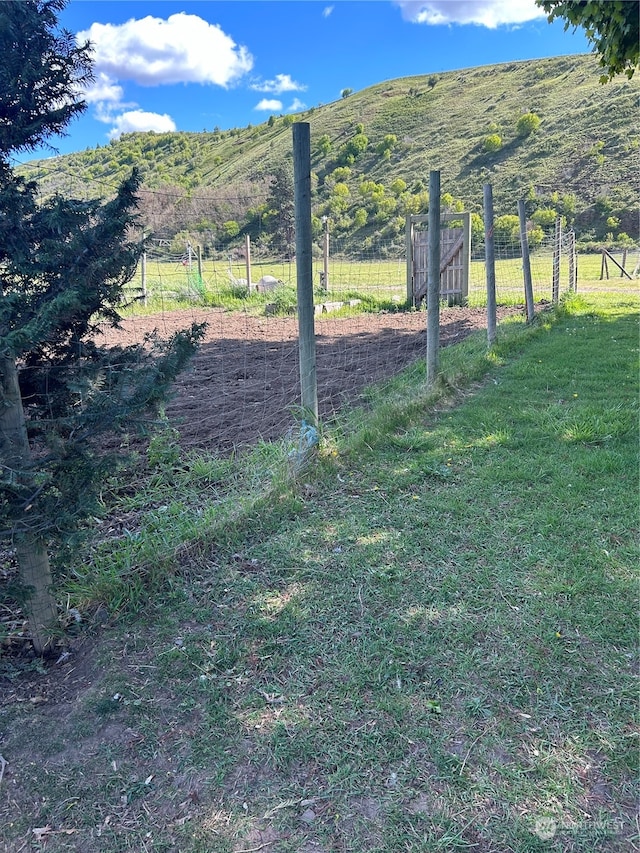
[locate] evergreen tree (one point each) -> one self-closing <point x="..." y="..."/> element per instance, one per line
<point x="282" y="210"/>
<point x="63" y="267"/>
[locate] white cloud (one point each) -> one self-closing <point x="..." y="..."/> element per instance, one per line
<point x="103" y="89"/>
<point x="327" y="11"/>
<point x="153" y="51"/>
<point x="296" y="105"/>
<point x="281" y="83"/>
<point x="486" y="13"/>
<point x="269" y="104"/>
<point x="138" y="121"/>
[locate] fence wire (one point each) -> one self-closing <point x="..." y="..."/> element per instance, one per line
<point x="243" y="385"/>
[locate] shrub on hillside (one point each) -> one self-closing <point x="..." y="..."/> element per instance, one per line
<point x="323" y="145"/>
<point x="492" y="143"/>
<point x="527" y="124"/>
<point x="360" y="218"/>
<point x="342" y="173"/>
<point x="545" y="217"/>
<point x="535" y="236"/>
<point x="477" y="227"/>
<point x="507" y="228"/>
<point x="230" y="228"/>
<point x="386" y="145"/>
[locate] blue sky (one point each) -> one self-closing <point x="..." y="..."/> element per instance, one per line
<point x="191" y="66"/>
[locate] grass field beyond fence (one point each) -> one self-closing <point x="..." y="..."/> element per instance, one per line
<point x="424" y="641"/>
<point x="379" y="284"/>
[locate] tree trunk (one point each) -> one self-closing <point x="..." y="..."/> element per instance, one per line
<point x="35" y="577"/>
<point x="33" y="560"/>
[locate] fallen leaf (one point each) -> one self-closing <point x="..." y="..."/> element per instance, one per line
<point x="273" y="698"/>
<point x="41" y="832"/>
<point x="284" y="805"/>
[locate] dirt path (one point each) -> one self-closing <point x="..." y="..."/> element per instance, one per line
<point x="243" y="383"/>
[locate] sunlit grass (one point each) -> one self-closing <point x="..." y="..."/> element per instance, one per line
<point x="424" y="640"/>
<point x="379" y="285"/>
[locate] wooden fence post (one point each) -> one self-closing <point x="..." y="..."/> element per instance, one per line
<point x="526" y="262"/>
<point x="466" y="257"/>
<point x="557" y="253"/>
<point x="325" y="253"/>
<point x="247" y="257"/>
<point x="490" y="264"/>
<point x="606" y="257"/>
<point x="304" y="269"/>
<point x="603" y="265"/>
<point x="433" y="279"/>
<point x="408" y="239"/>
<point x="143" y="275"/>
<point x="573" y="266"/>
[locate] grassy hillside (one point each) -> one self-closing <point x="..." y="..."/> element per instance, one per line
<point x="581" y="160"/>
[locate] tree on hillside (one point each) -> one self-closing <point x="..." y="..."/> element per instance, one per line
<point x="612" y="26"/>
<point x="63" y="267"/>
<point x="281" y="218"/>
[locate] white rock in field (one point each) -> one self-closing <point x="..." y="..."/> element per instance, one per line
<point x="267" y="283"/>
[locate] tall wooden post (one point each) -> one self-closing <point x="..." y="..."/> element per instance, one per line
<point x="557" y="252"/>
<point x="526" y="262"/>
<point x="433" y="279"/>
<point x="247" y="256"/>
<point x="304" y="269"/>
<point x="325" y="253"/>
<point x="490" y="264"/>
<point x="573" y="267"/>
<point x="408" y="239"/>
<point x="199" y="260"/>
<point x="466" y="256"/>
<point x="143" y="275"/>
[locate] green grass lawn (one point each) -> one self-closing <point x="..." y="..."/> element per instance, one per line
<point x="380" y="285"/>
<point x="425" y="640"/>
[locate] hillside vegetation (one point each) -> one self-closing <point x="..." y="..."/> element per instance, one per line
<point x="546" y="130"/>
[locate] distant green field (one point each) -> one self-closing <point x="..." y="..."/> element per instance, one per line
<point x="379" y="283"/>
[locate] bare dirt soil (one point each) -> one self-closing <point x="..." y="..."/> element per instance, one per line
<point x="243" y="385"/>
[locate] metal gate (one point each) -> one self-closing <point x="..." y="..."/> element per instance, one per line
<point x="455" y="259"/>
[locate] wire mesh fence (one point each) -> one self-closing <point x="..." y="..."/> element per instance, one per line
<point x="510" y="272"/>
<point x="243" y="384"/>
<point x="170" y="276"/>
